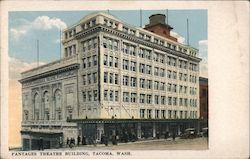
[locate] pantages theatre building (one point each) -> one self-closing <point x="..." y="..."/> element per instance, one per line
<point x="113" y="79"/>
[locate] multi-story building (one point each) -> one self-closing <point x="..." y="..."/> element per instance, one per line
<point x="113" y="79"/>
<point x="203" y="82"/>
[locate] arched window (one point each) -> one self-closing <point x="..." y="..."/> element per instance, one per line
<point x="36" y="107"/>
<point x="58" y="104"/>
<point x="46" y="106"/>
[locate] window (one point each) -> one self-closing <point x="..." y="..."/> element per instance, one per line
<point x="149" y="84"/>
<point x="132" y="50"/>
<point x="169" y="87"/>
<point x="84" y="79"/>
<point x="175" y="114"/>
<point x="142" y="83"/>
<point x="156" y="85"/>
<point x="169" y="60"/>
<point x="110" y="44"/>
<point x="105" y="62"/>
<point x="125" y="97"/>
<point x="125" y="80"/>
<point x="141" y="53"/>
<point x="148" y="69"/>
<point x="116" y="78"/>
<point x="163" y="98"/>
<point x="181" y="102"/>
<point x="105" y="95"/>
<point x="84" y="96"/>
<point x="148" y="54"/>
<point x="94" y="60"/>
<point x="149" y="113"/>
<point x="142" y="68"/>
<point x="173" y="61"/>
<point x="185" y="102"/>
<point x="89" y="62"/>
<point x="115" y="45"/>
<point x="180" y="88"/>
<point x="142" y="113"/>
<point x="95" y="77"/>
<point x="116" y="96"/>
<point x="169" y="73"/>
<point x="156" y="99"/>
<point x="174" y="101"/>
<point x="111" y="61"/>
<point x="89" y="78"/>
<point x="84" y="63"/>
<point x="116" y="62"/>
<point x="125" y="48"/>
<point x="105" y="77"/>
<point x="162" y="72"/>
<point x="174" y="88"/>
<point x="133" y="82"/>
<point x="90" y="95"/>
<point x="169" y="114"/>
<point x="111" y="77"/>
<point x="156" y="58"/>
<point x="95" y="95"/>
<point x="169" y="100"/>
<point x="180" y="76"/>
<point x="133" y="66"/>
<point x="149" y="99"/>
<point x="133" y="98"/>
<point x="162" y="86"/>
<point x="157" y="114"/>
<point x="174" y="75"/>
<point x="111" y="95"/>
<point x="125" y="64"/>
<point x="90" y="44"/>
<point x="156" y="71"/>
<point x="142" y="98"/>
<point x="163" y="114"/>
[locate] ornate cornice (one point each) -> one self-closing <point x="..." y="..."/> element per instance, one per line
<point x="50" y="73"/>
<point x="135" y="39"/>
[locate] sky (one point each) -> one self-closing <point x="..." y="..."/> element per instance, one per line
<point x="26" y="27"/>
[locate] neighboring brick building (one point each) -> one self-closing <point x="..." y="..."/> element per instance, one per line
<point x="203" y="98"/>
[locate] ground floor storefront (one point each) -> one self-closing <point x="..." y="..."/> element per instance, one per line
<point x="126" y="130"/>
<point x="40" y="140"/>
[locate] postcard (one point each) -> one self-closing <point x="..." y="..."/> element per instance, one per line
<point x="124" y="79"/>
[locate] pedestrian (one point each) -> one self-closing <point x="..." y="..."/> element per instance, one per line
<point x="71" y="142"/>
<point x="40" y="144"/>
<point x="83" y="140"/>
<point x="78" y="140"/>
<point x="60" y="142"/>
<point x="173" y="136"/>
<point x="67" y="141"/>
<point x="166" y="135"/>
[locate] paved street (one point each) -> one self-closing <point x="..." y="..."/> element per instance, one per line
<point x="161" y="144"/>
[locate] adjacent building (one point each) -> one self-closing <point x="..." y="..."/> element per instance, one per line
<point x="113" y="79"/>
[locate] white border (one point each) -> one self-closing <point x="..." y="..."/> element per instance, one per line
<point x="228" y="36"/>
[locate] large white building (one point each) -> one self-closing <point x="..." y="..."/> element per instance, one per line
<point x="114" y="78"/>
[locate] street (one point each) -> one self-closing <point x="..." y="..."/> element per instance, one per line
<point x="160" y="144"/>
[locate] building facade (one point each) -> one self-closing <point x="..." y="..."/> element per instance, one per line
<point x="113" y="79"/>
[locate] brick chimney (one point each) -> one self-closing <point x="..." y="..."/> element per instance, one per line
<point x="158" y="26"/>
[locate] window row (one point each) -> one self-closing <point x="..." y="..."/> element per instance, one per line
<point x="90" y="95"/>
<point x="111" y="78"/>
<point x="110" y="43"/>
<point x="110" y="61"/>
<point x="70" y="50"/>
<point x="171" y="114"/>
<point x="110" y="95"/>
<point x="89" y="61"/>
<point x="89" y="44"/>
<point x="90" y="78"/>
